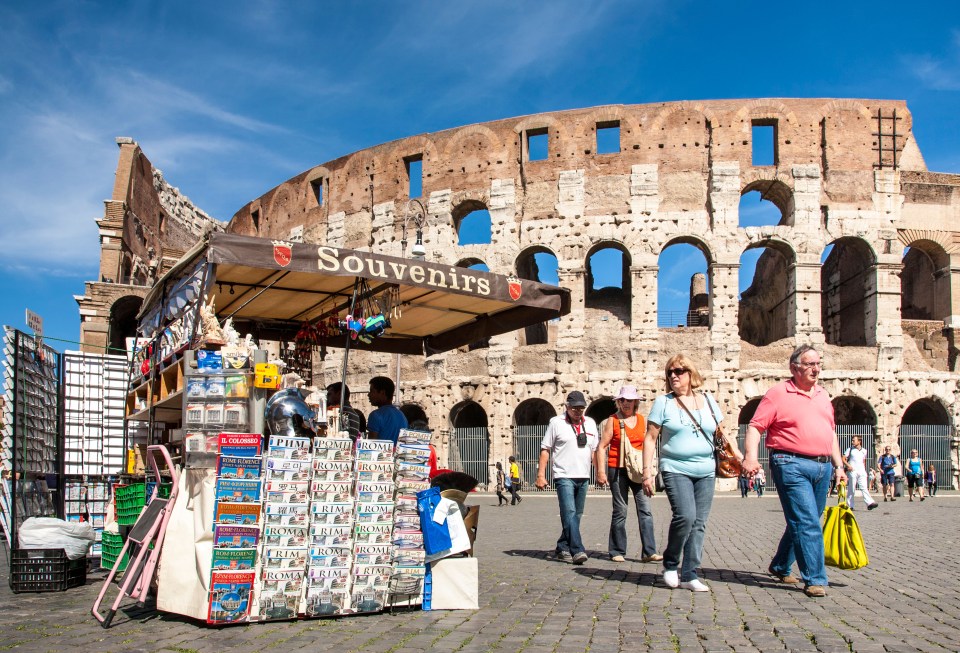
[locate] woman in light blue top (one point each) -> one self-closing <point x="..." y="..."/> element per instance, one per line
<point x="687" y="420"/>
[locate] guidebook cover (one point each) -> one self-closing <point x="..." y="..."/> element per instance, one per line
<point x="235" y="537"/>
<point x="237" y="467"/>
<point x="234" y="559"/>
<point x="229" y="600"/>
<point x="240" y="514"/>
<point x="237" y="491"/>
<point x="247" y="445"/>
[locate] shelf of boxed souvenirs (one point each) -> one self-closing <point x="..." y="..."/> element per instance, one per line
<point x="182" y="385"/>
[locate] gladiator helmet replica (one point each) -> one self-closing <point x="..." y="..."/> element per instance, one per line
<point x="289" y="415"/>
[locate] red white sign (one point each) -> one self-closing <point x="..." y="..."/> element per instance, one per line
<point x="282" y="253"/>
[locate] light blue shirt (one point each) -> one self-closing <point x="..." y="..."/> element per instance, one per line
<point x="683" y="448"/>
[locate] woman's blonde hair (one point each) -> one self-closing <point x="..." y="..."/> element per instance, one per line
<point x="681" y="360"/>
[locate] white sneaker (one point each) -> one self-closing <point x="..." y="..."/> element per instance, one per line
<point x="695" y="586"/>
<point x="671" y="578"/>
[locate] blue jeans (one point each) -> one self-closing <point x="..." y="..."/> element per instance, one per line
<point x="572" y="495"/>
<point x="802" y="486"/>
<point x="619" y="484"/>
<point x="690" y="499"/>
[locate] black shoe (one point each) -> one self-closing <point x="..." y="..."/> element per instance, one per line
<point x="873" y="506"/>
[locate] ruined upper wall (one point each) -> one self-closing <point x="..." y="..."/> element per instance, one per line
<point x="683" y="139"/>
<point x="157" y="220"/>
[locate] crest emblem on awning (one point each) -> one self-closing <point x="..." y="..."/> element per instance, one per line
<point x="514" y="287"/>
<point x="282" y="253"/>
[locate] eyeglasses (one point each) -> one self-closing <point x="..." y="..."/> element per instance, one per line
<point x="810" y="366"/>
<point x="576" y="407"/>
<point x="677" y="371"/>
<point x="623" y="399"/>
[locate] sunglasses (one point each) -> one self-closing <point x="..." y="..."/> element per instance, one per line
<point x="677" y="371"/>
<point x="623" y="399"/>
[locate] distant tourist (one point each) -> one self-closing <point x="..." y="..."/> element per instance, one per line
<point x="516" y="481"/>
<point x="931" y="479"/>
<point x="914" y="472"/>
<point x="889" y="465"/>
<point x="855" y="462"/>
<point x="501" y="485"/>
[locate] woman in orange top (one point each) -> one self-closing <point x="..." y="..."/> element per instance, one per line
<point x="612" y="470"/>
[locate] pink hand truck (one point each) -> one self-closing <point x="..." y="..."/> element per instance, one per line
<point x="149" y="529"/>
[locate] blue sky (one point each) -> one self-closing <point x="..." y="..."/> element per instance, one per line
<point x="230" y="99"/>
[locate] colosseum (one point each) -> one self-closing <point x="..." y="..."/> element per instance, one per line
<point x="863" y="260"/>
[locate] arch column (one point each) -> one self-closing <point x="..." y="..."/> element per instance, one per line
<point x="724" y="308"/>
<point x="808" y="325"/>
<point x="886" y="323"/>
<point x="643" y="317"/>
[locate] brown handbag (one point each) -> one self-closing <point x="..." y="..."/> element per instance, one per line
<point x="728" y="465"/>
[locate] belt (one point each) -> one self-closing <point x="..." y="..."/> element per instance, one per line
<point x="819" y="459"/>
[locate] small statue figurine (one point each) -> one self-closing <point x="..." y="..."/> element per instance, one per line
<point x="209" y="326"/>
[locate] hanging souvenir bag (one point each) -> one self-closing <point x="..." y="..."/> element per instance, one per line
<point x="631" y="459"/>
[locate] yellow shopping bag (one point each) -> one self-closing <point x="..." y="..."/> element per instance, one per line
<point x="842" y="543"/>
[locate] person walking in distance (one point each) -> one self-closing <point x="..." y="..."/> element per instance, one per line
<point x="855" y="463"/>
<point x="501" y="484"/>
<point x="627" y="424"/>
<point x="570" y="442"/>
<point x="797" y="417"/>
<point x="889" y="465"/>
<point x="914" y="471"/>
<point x="931" y="479"/>
<point x="515" y="481"/>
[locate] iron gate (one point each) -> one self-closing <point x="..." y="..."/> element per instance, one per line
<point x="933" y="443"/>
<point x="470" y="451"/>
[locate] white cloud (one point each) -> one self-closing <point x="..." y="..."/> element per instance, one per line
<point x="938" y="73"/>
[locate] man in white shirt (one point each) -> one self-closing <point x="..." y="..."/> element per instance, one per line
<point x="571" y="439"/>
<point x="854" y="459"/>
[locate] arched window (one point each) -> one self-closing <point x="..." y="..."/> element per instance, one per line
<point x="926" y="427"/>
<point x="925" y="282"/>
<point x="767" y="310"/>
<point x="530" y="420"/>
<point x="538" y="264"/>
<point x="848" y="293"/>
<point x="471" y="220"/>
<point x="683" y="294"/>
<point x="607" y="282"/>
<point x="470" y="440"/>
<point x="766" y="203"/>
<point x="123" y="322"/>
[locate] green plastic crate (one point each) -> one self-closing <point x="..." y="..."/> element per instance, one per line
<point x="129" y="501"/>
<point x="110" y="548"/>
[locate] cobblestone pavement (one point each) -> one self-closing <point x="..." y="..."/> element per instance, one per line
<point x="906" y="600"/>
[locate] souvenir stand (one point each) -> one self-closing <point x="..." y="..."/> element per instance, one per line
<point x="292" y="525"/>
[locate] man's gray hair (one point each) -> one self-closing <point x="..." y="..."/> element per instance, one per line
<point x="800" y="351"/>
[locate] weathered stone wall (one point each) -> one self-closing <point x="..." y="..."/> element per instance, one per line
<point x="147" y="225"/>
<point x="678" y="177"/>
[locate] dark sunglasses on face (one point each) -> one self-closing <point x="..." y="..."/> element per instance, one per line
<point x="677" y="371"/>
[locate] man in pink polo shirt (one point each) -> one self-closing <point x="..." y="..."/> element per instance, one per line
<point x="797" y="417"/>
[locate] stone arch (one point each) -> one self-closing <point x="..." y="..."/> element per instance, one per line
<point x="851" y="409"/>
<point x="526" y="267"/>
<point x="469" y="262"/>
<point x="282" y="206"/>
<point x="748" y="410"/>
<point x="925" y="292"/>
<point x="557" y="132"/>
<point x="533" y="412"/>
<point x="664" y="114"/>
<point x="697" y="311"/>
<point x="767" y="309"/>
<point x="479" y="134"/>
<point x="414" y="413"/>
<point x="465" y="206"/>
<point x="123" y="322"/>
<point x="601" y="408"/>
<point x="926" y="411"/>
<point x="774" y="188"/>
<point x="470" y="440"/>
<point x="682" y="143"/>
<point x="588" y="125"/>
<point x="608" y="299"/>
<point x="848" y="293"/>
